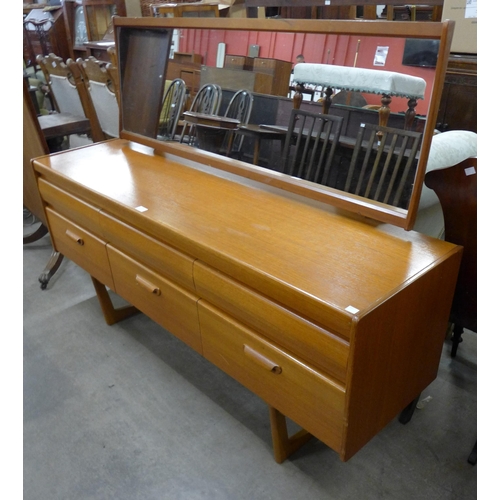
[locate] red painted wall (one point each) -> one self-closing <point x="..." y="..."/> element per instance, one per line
<point x="316" y="48"/>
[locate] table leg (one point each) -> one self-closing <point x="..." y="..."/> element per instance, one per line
<point x="284" y="445"/>
<point x="111" y="314"/>
<point x="256" y="150"/>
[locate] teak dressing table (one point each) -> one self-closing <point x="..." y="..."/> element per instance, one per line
<point x="337" y="321"/>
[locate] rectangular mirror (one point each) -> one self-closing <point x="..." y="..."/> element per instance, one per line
<point x="234" y="52"/>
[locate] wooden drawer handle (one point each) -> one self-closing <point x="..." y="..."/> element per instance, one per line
<point x="74" y="237"/>
<point x="262" y="360"/>
<point x="147" y="285"/>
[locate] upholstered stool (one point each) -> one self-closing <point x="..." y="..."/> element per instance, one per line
<point x="373" y="81"/>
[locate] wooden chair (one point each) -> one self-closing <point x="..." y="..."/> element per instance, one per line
<point x="34" y="145"/>
<point x="113" y="73"/>
<point x="310" y="145"/>
<point x="239" y="108"/>
<point x="382" y="164"/>
<point x="206" y="101"/>
<point x="101" y="89"/>
<point x="172" y="108"/>
<point x="69" y="91"/>
<point x="456" y="188"/>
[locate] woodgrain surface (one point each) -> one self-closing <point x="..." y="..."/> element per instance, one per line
<point x="334" y="320"/>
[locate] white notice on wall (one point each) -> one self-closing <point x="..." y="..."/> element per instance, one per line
<point x="471" y="9"/>
<point x="380" y="56"/>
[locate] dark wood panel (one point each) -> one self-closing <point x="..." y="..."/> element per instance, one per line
<point x="458" y="106"/>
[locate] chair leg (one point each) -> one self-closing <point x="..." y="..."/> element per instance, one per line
<point x="456" y="339"/>
<point x="52" y="266"/>
<point x="38" y="233"/>
<point x="407" y="413"/>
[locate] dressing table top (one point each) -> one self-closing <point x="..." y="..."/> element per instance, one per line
<point x="283" y="245"/>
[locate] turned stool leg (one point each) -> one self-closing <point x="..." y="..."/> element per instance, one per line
<point x="298" y="96"/>
<point x="384" y="111"/>
<point x="327" y="100"/>
<point x="410" y="114"/>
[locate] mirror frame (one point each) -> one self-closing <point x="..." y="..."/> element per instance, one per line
<point x="442" y="31"/>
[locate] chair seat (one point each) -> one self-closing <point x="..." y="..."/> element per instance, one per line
<point x="61" y="124"/>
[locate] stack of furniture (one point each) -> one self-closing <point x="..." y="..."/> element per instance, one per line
<point x="90" y="21"/>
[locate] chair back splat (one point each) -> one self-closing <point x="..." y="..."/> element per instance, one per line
<point x="240" y="108"/>
<point x="172" y="108"/>
<point x="206" y="101"/>
<point x="310" y="145"/>
<point x="101" y="89"/>
<point x="69" y="91"/>
<point x="382" y="165"/>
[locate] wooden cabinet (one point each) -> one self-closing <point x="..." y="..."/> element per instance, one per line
<point x="187" y="71"/>
<point x="187" y="57"/>
<point x="458" y="106"/>
<point x="336" y="322"/>
<point x="195" y="9"/>
<point x="238" y="62"/>
<point x="257" y="74"/>
<point x="280" y="72"/>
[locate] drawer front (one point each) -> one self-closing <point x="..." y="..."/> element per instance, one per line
<point x="80" y="246"/>
<point x="163" y="259"/>
<point x="310" y="399"/>
<point x="164" y="302"/>
<point x="235" y="62"/>
<point x="315" y="345"/>
<point x="264" y="65"/>
<point x="70" y="206"/>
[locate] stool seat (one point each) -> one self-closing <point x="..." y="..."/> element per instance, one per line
<point x="372" y="81"/>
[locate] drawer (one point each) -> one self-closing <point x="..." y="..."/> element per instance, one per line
<point x="82" y="247"/>
<point x="234" y="62"/>
<point x="306" y="340"/>
<point x="165" y="260"/>
<point x="264" y="65"/>
<point x="70" y="206"/>
<point x="164" y="302"/>
<point x="309" y="398"/>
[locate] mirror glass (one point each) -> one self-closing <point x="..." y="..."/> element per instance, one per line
<point x="344" y="61"/>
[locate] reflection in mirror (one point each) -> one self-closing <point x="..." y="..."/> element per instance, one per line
<point x="360" y="79"/>
<point x="352" y="70"/>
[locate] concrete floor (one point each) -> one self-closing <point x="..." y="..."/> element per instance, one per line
<point x="129" y="412"/>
